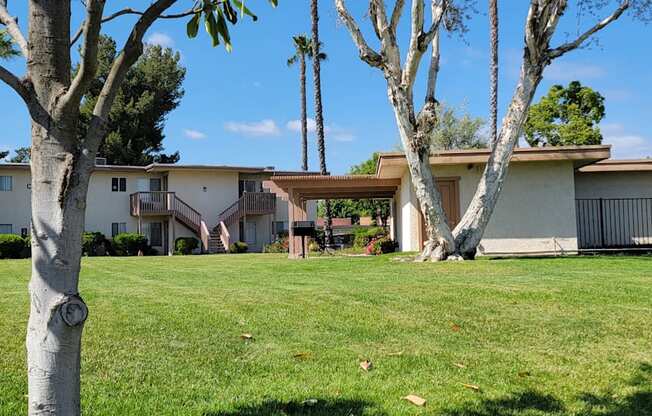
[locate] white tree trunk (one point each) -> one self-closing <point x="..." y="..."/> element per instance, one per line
<point x="417" y="152"/>
<point x="470" y="229"/>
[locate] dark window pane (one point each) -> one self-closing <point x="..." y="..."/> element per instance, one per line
<point x="123" y="184"/>
<point x="114" y="184"/>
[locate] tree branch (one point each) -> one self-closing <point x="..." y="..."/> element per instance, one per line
<point x="396" y="15"/>
<point x="433" y="70"/>
<point x="130" y="11"/>
<point x="130" y="53"/>
<point x="567" y="47"/>
<point x="438" y="10"/>
<point x="17" y="85"/>
<point x="11" y="24"/>
<point x="88" y="64"/>
<point x="367" y="54"/>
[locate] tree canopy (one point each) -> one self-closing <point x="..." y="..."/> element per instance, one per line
<point x="566" y="116"/>
<point x="150" y="91"/>
<point x="452" y="131"/>
<point x="22" y="155"/>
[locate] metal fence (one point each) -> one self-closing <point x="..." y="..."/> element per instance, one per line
<point x="614" y="223"/>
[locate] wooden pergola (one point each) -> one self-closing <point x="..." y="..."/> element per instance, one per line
<point x="300" y="189"/>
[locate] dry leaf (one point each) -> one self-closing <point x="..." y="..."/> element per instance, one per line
<point x="416" y="400"/>
<point x="302" y="355"/>
<point x="455" y="327"/>
<point x="459" y="365"/>
<point x="366" y="365"/>
<point x="247" y="337"/>
<point x="471" y="387"/>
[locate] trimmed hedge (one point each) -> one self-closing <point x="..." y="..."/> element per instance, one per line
<point x="382" y="245"/>
<point x="12" y="246"/>
<point x="129" y="244"/>
<point x="238" y="247"/>
<point x="185" y="245"/>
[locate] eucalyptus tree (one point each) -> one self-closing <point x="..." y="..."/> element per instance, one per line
<point x="541" y="24"/>
<point x="302" y="50"/>
<point x="493" y="69"/>
<point x="61" y="163"/>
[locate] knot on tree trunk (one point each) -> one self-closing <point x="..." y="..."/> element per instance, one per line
<point x="426" y="123"/>
<point x="73" y="310"/>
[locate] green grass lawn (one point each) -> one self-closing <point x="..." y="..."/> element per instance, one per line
<point x="539" y="336"/>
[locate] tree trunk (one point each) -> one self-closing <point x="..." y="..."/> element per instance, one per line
<point x="319" y="114"/>
<point x="414" y="137"/>
<point x="493" y="96"/>
<point x="304" y="115"/>
<point x="470" y="230"/>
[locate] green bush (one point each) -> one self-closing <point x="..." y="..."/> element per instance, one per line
<point x="93" y="244"/>
<point x="12" y="246"/>
<point x="129" y="244"/>
<point x="27" y="249"/>
<point x="279" y="246"/>
<point x="364" y="235"/>
<point x="238" y="247"/>
<point x="185" y="245"/>
<point x="382" y="245"/>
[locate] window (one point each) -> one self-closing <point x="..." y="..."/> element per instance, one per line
<point x="118" y="228"/>
<point x="247" y="185"/>
<point x="6" y="183"/>
<point x="155" y="185"/>
<point x="156" y="234"/>
<point x="118" y="184"/>
<point x="6" y="229"/>
<point x="280" y="227"/>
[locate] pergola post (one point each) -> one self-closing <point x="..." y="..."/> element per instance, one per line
<point x="296" y="212"/>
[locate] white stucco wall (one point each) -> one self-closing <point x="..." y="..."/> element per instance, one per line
<point x="613" y="185"/>
<point x="535" y="212"/>
<point x="15" y="205"/>
<point x="104" y="207"/>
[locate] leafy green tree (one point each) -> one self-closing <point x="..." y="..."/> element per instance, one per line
<point x="150" y="91"/>
<point x="566" y="116"/>
<point x="23" y="155"/>
<point x="452" y="131"/>
<point x="4" y="154"/>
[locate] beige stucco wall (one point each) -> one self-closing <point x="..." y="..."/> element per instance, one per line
<point x="535" y="212"/>
<point x="15" y="206"/>
<point x="104" y="207"/>
<point x="613" y="185"/>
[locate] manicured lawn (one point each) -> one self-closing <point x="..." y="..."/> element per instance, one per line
<point x="539" y="336"/>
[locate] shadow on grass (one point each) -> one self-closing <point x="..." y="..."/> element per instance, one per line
<point x="322" y="407"/>
<point x="638" y="402"/>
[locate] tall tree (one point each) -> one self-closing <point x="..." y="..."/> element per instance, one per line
<point x="493" y="47"/>
<point x="566" y="116"/>
<point x="319" y="114"/>
<point x="151" y="90"/>
<point x="453" y="131"/>
<point x="62" y="164"/>
<point x="22" y="155"/>
<point x="302" y="50"/>
<point x="541" y="24"/>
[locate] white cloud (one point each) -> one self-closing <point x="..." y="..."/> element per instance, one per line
<point x="569" y="71"/>
<point x="194" y="134"/>
<point x="160" y="39"/>
<point x="332" y="132"/>
<point x="261" y="128"/>
<point x="625" y="145"/>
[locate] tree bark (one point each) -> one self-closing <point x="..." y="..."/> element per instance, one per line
<point x="319" y="113"/>
<point x="304" y="114"/>
<point x="493" y="95"/>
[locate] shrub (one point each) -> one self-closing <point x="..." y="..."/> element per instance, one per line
<point x="11" y="246"/>
<point x="364" y="235"/>
<point x="27" y="249"/>
<point x="381" y="245"/>
<point x="238" y="247"/>
<point x="93" y="243"/>
<point x="185" y="245"/>
<point x="279" y="246"/>
<point x="129" y="244"/>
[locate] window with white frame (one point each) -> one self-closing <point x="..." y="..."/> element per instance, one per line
<point x="118" y="228"/>
<point x="6" y="229"/>
<point x="118" y="184"/>
<point x="6" y="183"/>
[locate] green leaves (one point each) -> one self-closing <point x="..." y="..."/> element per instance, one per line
<point x="217" y="16"/>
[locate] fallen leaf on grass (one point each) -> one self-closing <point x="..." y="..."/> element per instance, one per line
<point x="459" y="365"/>
<point x="302" y="355"/>
<point x="415" y="400"/>
<point x="471" y="387"/>
<point x="455" y="327"/>
<point x="366" y="365"/>
<point x="247" y="337"/>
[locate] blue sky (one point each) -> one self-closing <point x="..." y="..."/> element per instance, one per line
<point x="241" y="108"/>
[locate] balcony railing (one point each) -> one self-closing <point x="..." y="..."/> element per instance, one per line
<point x="152" y="203"/>
<point x="251" y="203"/>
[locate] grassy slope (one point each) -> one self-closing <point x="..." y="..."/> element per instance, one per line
<point x="540" y="336"/>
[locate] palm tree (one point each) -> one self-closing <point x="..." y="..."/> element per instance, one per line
<point x="319" y="114"/>
<point x="303" y="49"/>
<point x="493" y="96"/>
